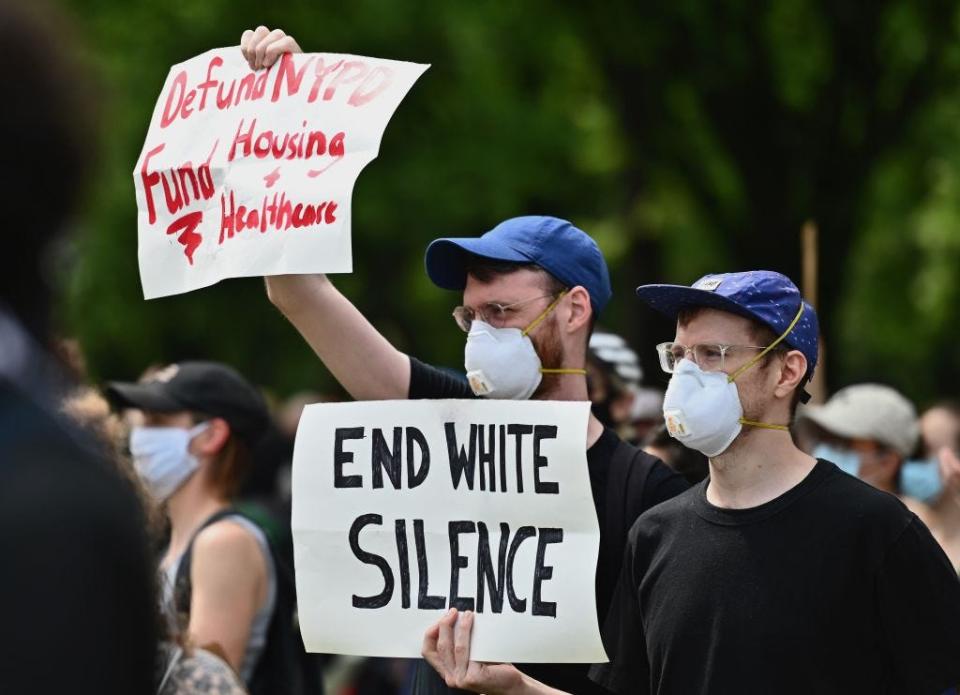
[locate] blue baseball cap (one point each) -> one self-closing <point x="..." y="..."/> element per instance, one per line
<point x="761" y="295"/>
<point x="557" y="246"/>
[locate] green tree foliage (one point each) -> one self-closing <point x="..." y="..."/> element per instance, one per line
<point x="687" y="137"/>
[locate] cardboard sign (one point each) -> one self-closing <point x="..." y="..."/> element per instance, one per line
<point x="402" y="509"/>
<point x="251" y="173"/>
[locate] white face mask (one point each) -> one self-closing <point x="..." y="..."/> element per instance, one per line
<point x="702" y="410"/>
<point x="162" y="458"/>
<point x="502" y="362"/>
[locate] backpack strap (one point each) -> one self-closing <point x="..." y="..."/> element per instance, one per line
<point x="182" y="586"/>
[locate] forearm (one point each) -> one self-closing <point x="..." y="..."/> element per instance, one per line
<point x="531" y="686"/>
<point x="358" y="356"/>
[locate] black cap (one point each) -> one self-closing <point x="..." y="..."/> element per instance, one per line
<point x="209" y="388"/>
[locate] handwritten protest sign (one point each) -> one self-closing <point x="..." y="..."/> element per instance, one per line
<point x="251" y="173"/>
<point x="402" y="509"/>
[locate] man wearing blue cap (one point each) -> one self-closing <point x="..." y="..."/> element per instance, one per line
<point x="532" y="288"/>
<point x="779" y="573"/>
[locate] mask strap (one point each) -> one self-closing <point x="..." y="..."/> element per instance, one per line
<point x="764" y="425"/>
<point x="546" y="312"/>
<point x="767" y="349"/>
<point x="537" y="321"/>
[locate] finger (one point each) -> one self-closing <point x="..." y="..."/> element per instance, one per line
<point x="244" y="40"/>
<point x="428" y="650"/>
<point x="258" y="35"/>
<point x="445" y="643"/>
<point x="285" y="45"/>
<point x="461" y="646"/>
<point x="261" y="49"/>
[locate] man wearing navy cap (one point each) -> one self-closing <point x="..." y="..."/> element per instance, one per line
<point x="779" y="573"/>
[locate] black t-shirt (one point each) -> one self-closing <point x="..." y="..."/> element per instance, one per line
<point x="661" y="483"/>
<point x="833" y="587"/>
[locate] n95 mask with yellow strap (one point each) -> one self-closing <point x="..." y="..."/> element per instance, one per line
<point x="702" y="410"/>
<point x="503" y="363"/>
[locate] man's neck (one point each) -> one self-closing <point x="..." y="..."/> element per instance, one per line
<point x="572" y="387"/>
<point x="758" y="467"/>
<point x="187" y="509"/>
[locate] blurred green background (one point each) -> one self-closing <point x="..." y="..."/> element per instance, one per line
<point x="686" y="137"/>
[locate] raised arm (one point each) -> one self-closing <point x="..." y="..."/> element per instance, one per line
<point x="360" y="358"/>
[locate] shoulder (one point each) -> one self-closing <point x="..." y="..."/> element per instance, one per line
<point x="657" y="521"/>
<point x="228" y="544"/>
<point x="860" y="503"/>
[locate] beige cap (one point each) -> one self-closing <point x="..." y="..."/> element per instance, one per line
<point x="869" y="411"/>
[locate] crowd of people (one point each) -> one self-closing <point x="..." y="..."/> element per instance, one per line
<point x="750" y="541"/>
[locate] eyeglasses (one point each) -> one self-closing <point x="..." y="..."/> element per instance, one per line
<point x="494" y="313"/>
<point x="710" y="357"/>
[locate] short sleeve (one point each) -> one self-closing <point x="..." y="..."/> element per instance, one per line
<point x="627" y="672"/>
<point x="427" y="381"/>
<point x="918" y="595"/>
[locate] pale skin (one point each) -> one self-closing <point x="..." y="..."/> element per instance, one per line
<point x="759" y="466"/>
<point x="229" y="572"/>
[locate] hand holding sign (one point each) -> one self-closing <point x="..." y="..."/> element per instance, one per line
<point x="262" y="47"/>
<point x="251" y="172"/>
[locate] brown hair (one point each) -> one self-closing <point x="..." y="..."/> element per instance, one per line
<point x="232" y="465"/>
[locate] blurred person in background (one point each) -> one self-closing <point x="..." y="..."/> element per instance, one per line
<point x="181" y="668"/>
<point x="220" y="574"/>
<point x="940" y="427"/>
<point x="940" y="432"/>
<point x="613" y="375"/>
<point x="871" y="431"/>
<point x="77" y="580"/>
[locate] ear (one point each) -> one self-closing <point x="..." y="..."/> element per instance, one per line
<point x="579" y="308"/>
<point x="792" y="371"/>
<point x="210" y="442"/>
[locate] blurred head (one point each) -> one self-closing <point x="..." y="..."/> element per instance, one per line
<point x="47" y="119"/>
<point x="613" y="377"/>
<point x="869" y="430"/>
<point x="940" y="428"/>
<point x="200" y="421"/>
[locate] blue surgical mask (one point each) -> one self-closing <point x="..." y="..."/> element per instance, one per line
<point x="921" y="480"/>
<point x="846" y="460"/>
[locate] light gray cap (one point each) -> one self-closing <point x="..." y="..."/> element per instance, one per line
<point x="869" y="411"/>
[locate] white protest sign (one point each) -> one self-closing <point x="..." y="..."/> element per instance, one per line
<point x="402" y="509"/>
<point x="249" y="173"/>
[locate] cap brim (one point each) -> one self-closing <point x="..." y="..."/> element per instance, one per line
<point x="446" y="259"/>
<point x="671" y="299"/>
<point x="142" y="397"/>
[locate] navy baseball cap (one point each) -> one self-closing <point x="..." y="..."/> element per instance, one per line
<point x="209" y="388"/>
<point x="557" y="246"/>
<point x="761" y="295"/>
